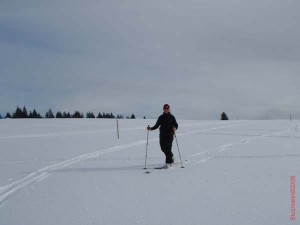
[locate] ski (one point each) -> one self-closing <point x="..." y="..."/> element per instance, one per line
<point x="161" y="167"/>
<point x="166" y="166"/>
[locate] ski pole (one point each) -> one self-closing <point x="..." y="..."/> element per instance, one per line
<point x="146" y="150"/>
<point x="178" y="150"/>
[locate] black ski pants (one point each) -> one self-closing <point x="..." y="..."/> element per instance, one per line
<point x="165" y="142"/>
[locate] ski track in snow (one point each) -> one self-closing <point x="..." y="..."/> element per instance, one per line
<point x="210" y="153"/>
<point x="8" y="191"/>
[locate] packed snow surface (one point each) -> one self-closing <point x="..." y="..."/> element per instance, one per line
<point x="77" y="172"/>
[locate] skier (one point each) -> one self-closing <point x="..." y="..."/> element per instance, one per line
<point x="167" y="126"/>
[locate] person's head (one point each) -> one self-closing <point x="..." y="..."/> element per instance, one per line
<point x="166" y="108"/>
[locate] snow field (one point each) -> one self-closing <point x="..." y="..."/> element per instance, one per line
<point x="78" y="172"/>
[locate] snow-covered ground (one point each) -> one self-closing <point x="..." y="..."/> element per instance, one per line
<point x="75" y="172"/>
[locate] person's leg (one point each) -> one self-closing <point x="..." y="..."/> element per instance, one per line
<point x="166" y="147"/>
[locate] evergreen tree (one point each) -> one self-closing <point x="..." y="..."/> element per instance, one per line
<point x="120" y="116"/>
<point x="132" y="116"/>
<point x="0" y="116"/>
<point x="36" y="115"/>
<point x="90" y="115"/>
<point x="49" y="114"/>
<point x="30" y="115"/>
<point x="33" y="115"/>
<point x="77" y="114"/>
<point x="110" y="116"/>
<point x="67" y="115"/>
<point x="59" y="115"/>
<point x="18" y="113"/>
<point x="24" y="113"/>
<point x="8" y="115"/>
<point x="224" y="116"/>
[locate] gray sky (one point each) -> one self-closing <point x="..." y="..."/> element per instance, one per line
<point x="202" y="57"/>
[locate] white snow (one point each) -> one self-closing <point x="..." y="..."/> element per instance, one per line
<point x="75" y="172"/>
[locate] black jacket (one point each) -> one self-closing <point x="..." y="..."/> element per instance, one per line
<point x="166" y="122"/>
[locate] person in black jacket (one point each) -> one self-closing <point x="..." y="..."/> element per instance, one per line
<point x="167" y="126"/>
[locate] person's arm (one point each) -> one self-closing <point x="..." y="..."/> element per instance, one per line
<point x="175" y="124"/>
<point x="156" y="125"/>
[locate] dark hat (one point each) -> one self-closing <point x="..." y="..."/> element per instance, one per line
<point x="166" y="106"/>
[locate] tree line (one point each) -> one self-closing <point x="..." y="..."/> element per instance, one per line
<point x="22" y="113"/>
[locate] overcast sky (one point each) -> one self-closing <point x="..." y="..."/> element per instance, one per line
<point x="202" y="57"/>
